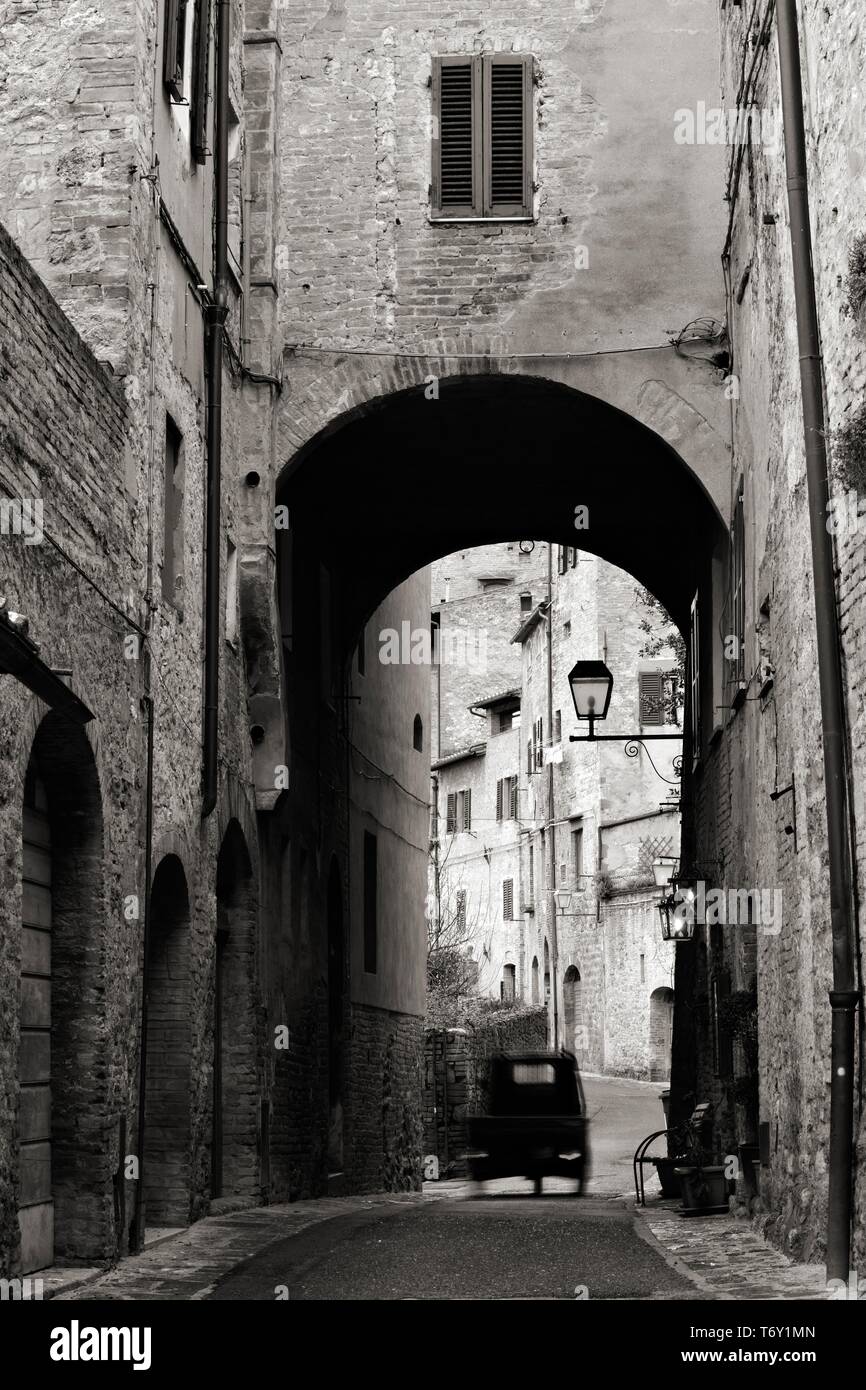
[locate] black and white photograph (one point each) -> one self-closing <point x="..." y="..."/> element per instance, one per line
<point x="432" y="675"/>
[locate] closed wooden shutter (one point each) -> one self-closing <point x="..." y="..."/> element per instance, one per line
<point x="514" y="805"/>
<point x="198" y="101"/>
<point x="457" y="181"/>
<point x="650" y="692"/>
<point x="467" y="810"/>
<point x="507" y="135"/>
<point x="508" y="899"/>
<point x="451" y="814"/>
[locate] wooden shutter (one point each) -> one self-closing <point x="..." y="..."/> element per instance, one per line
<point x="467" y="810"/>
<point x="499" y="800"/>
<point x="508" y="899"/>
<point x="198" y="103"/>
<point x="451" y="813"/>
<point x="174" y="47"/>
<point x="507" y="135"/>
<point x="695" y="677"/>
<point x="514" y="806"/>
<point x="529" y="756"/>
<point x="461" y="909"/>
<point x="650" y="696"/>
<point x="456" y="163"/>
<point x="531" y="875"/>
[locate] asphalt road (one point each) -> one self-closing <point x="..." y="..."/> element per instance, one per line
<point x="501" y="1243"/>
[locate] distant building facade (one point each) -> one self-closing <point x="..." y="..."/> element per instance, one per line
<point x="542" y="849"/>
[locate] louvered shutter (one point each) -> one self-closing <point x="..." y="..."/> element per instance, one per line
<point x="467" y="810"/>
<point x="508" y="899"/>
<point x="514" y="808"/>
<point x="650" y="688"/>
<point x="451" y="813"/>
<point x="201" y="53"/>
<point x="507" y="135"/>
<point x="499" y="800"/>
<point x="174" y="47"/>
<point x="529" y="756"/>
<point x="457" y="174"/>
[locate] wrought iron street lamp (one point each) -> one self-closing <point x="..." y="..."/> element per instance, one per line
<point x="591" y="687"/>
<point x="677" y="913"/>
<point x="664" y="870"/>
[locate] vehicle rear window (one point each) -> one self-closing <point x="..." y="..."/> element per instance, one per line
<point x="533" y="1074"/>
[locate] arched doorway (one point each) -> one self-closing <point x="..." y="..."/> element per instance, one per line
<point x="546" y="972"/>
<point x="336" y="991"/>
<point x="572" y="1003"/>
<point x="534" y="995"/>
<point x="234" y="1150"/>
<point x="166" y="1175"/>
<point x="661" y="1031"/>
<point x="65" y="1183"/>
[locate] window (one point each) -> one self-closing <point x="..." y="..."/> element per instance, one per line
<point x="371" y="871"/>
<point x="658" y="697"/>
<point x="507" y="986"/>
<point x="506" y="798"/>
<point x="557" y="726"/>
<point x="451" y="814"/>
<point x="174" y="51"/>
<point x="503" y="720"/>
<point x="577" y="853"/>
<point x="418" y="734"/>
<point x="538" y="743"/>
<point x="235" y="228"/>
<point x="526" y="603"/>
<point x="562" y="558"/>
<point x="482" y="137"/>
<point x="531" y="875"/>
<point x="186" y="47"/>
<point x="508" y="899"/>
<point x="231" y="593"/>
<point x="572" y="557"/>
<point x="695" y="677"/>
<point x="566" y="629"/>
<point x="529" y="757"/>
<point x="738" y="593"/>
<point x="464" y="806"/>
<point x="172" y="559"/>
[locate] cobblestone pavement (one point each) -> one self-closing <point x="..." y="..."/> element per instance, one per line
<point x="728" y="1259"/>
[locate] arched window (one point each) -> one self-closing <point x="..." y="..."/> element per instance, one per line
<point x="418" y="734"/>
<point x="546" y="972"/>
<point x="534" y="991"/>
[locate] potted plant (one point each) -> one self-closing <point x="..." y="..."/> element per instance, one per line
<point x="703" y="1182"/>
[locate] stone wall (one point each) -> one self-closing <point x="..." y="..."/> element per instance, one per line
<point x="450" y="1096"/>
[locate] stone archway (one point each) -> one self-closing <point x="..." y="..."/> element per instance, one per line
<point x="235" y="1101"/>
<point x="65" y="1208"/>
<point x="661" y="1032"/>
<point x="167" y="1139"/>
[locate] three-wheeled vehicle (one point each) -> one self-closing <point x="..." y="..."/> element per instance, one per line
<point x="536" y="1125"/>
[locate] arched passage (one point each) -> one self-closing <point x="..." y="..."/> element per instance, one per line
<point x="65" y="1182"/>
<point x="336" y="1009"/>
<point x="632" y="488"/>
<point x="572" y="1003"/>
<point x="166" y="1175"/>
<point x="234" y="1164"/>
<point x="661" y="1026"/>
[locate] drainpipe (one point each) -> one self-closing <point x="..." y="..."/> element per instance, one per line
<point x="844" y="995"/>
<point x="551" y="813"/>
<point x="215" y="317"/>
<point x="137" y="1242"/>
